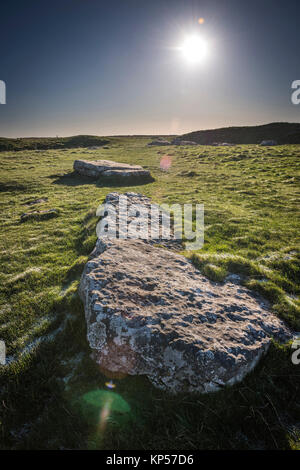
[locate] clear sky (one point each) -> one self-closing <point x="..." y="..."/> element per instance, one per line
<point x="115" y="67"/>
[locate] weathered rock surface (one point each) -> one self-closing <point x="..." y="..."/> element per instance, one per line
<point x="107" y="168"/>
<point x="136" y="204"/>
<point x="150" y="312"/>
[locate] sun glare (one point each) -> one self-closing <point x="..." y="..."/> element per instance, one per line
<point x="194" y="49"/>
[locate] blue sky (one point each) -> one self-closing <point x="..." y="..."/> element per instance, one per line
<point x="104" y="68"/>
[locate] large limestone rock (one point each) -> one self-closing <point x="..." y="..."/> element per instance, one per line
<point x="150" y="312"/>
<point x="108" y="168"/>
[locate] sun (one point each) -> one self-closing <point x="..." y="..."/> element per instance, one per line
<point x="194" y="49"/>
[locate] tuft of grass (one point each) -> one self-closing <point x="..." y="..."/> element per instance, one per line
<point x="269" y="283"/>
<point x="77" y="267"/>
<point x="214" y="273"/>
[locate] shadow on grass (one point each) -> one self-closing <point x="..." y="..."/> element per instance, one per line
<point x="73" y="179"/>
<point x="12" y="186"/>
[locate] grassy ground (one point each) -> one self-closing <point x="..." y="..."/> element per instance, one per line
<point x="51" y="393"/>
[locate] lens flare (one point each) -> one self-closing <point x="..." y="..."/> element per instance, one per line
<point x="100" y="406"/>
<point x="165" y="163"/>
<point x="110" y="385"/>
<point x="104" y="415"/>
<point x="201" y="20"/>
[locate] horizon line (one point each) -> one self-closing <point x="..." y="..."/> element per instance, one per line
<point x="150" y="134"/>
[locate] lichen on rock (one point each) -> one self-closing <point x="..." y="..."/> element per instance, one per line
<point x="150" y="312"/>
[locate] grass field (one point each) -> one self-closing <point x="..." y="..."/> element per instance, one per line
<point x="52" y="395"/>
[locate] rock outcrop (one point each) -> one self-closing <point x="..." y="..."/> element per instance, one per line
<point x="108" y="168"/>
<point x="36" y="201"/>
<point x="179" y="141"/>
<point x="268" y="143"/>
<point x="159" y="142"/>
<point x="150" y="312"/>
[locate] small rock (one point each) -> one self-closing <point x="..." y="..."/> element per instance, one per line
<point x="268" y="142"/>
<point x="159" y="142"/>
<point x="39" y="215"/>
<point x="36" y="201"/>
<point x="183" y="142"/>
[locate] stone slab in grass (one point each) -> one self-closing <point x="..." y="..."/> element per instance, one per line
<point x="159" y="142"/>
<point x="149" y="311"/>
<point x="110" y="169"/>
<point x="36" y="201"/>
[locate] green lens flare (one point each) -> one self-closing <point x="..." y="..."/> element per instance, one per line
<point x="97" y="399"/>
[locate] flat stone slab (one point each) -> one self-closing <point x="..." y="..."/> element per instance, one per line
<point x="150" y="312"/>
<point x="183" y="142"/>
<point x="108" y="168"/>
<point x="159" y="142"/>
